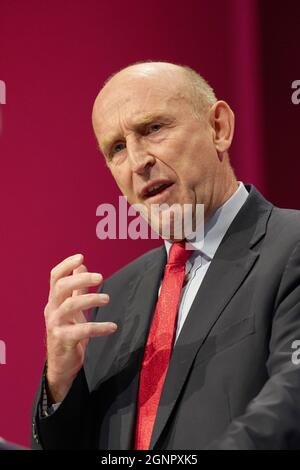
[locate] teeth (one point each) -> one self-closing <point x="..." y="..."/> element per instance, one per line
<point x="154" y="188"/>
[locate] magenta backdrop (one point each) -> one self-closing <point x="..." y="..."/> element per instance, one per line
<point x="54" y="56"/>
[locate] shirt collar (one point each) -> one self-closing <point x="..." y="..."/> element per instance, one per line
<point x="218" y="224"/>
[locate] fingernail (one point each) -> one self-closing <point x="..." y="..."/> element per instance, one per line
<point x="96" y="277"/>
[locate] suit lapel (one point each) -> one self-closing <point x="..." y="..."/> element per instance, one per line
<point x="232" y="262"/>
<point x="141" y="303"/>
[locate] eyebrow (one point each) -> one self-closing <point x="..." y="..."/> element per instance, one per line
<point x="138" y="125"/>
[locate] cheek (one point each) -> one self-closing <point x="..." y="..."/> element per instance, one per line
<point x="123" y="180"/>
<point x="197" y="163"/>
<point x="201" y="156"/>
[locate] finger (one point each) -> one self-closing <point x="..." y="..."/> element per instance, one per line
<point x="70" y="335"/>
<point x="65" y="267"/>
<point x="74" y="305"/>
<point x="78" y="316"/>
<point x="65" y="286"/>
<point x="84" y="290"/>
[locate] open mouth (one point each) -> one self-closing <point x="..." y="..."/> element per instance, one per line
<point x="156" y="189"/>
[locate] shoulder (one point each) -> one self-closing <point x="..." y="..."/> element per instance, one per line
<point x="284" y="224"/>
<point x="281" y="226"/>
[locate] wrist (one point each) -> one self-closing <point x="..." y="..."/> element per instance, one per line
<point x="57" y="386"/>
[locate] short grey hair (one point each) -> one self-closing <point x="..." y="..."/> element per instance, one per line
<point x="202" y="94"/>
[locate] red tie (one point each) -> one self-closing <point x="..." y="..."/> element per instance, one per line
<point x="159" y="345"/>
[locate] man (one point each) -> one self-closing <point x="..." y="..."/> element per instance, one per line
<point x="195" y="357"/>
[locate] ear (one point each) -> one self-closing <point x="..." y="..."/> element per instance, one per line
<point x="222" y="121"/>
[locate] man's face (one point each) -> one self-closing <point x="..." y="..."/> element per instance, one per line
<point x="157" y="149"/>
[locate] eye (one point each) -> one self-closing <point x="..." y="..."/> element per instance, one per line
<point x="117" y="148"/>
<point x="154" y="127"/>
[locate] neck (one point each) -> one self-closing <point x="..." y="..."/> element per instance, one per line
<point x="225" y="186"/>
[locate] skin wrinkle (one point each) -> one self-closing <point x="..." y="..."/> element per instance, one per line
<point x="140" y="123"/>
<point x="190" y="152"/>
<point x="136" y="121"/>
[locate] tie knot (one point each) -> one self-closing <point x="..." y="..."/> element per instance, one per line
<point x="178" y="253"/>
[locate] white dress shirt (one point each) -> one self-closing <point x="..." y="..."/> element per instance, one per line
<point x="199" y="262"/>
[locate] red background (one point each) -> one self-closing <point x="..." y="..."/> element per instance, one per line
<point x="54" y="56"/>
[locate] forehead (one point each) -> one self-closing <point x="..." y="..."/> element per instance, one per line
<point x="129" y="99"/>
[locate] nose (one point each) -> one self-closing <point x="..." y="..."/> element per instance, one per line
<point x="140" y="159"/>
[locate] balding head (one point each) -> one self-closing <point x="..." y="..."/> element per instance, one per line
<point x="160" y="124"/>
<point x="181" y="78"/>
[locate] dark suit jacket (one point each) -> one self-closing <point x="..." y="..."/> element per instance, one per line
<point x="231" y="383"/>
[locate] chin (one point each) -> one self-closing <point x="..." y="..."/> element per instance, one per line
<point x="169" y="230"/>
